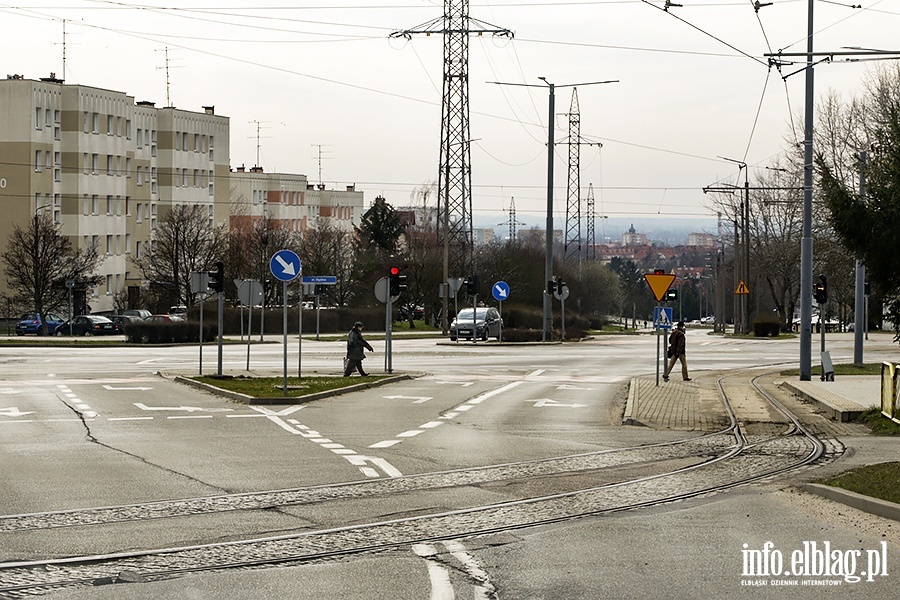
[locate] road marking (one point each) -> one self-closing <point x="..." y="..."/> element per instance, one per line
<point x="536" y="373"/>
<point x="431" y="425"/>
<point x="410" y="433"/>
<point x="438" y="574"/>
<point x="10" y="391"/>
<point x="132" y="418"/>
<point x="548" y="402"/>
<point x="571" y="387"/>
<point x="143" y="406"/>
<point x="191" y="417"/>
<point x="140" y="389"/>
<point x="485" y="589"/>
<point x="13" y="411"/>
<point x="462" y="383"/>
<point x="417" y="399"/>
<point x="385" y="444"/>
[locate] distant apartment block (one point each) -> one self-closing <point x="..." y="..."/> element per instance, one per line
<point x="108" y="168"/>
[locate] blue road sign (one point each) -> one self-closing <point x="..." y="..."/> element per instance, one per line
<point x="320" y="279"/>
<point x="285" y="265"/>
<point x="662" y="317"/>
<point x="500" y="291"/>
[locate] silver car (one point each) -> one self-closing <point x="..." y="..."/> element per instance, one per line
<point x="483" y="323"/>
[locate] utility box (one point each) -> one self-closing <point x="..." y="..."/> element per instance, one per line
<point x="827" y="367"/>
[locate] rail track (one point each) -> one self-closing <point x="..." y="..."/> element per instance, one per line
<point x="701" y="465"/>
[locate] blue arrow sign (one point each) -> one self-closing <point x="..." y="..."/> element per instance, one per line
<point x="285" y="265"/>
<point x="320" y="279"/>
<point x="500" y="291"/>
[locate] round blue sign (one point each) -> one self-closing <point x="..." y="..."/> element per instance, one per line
<point x="500" y="291"/>
<point x="285" y="265"/>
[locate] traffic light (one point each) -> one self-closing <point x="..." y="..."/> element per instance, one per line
<point x="551" y="286"/>
<point x="217" y="278"/>
<point x="560" y="284"/>
<point x="472" y="285"/>
<point x="394" y="281"/>
<point x="820" y="293"/>
<point x="321" y="290"/>
<point x="671" y="295"/>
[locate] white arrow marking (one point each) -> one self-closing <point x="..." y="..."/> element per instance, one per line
<point x="571" y="387"/>
<point x="185" y="408"/>
<point x="287" y="267"/>
<point x="418" y="399"/>
<point x="548" y="402"/>
<point x="500" y="291"/>
<point x="13" y="411"/>
<point x="141" y="389"/>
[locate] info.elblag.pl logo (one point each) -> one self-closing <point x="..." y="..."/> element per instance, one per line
<point x="814" y="563"/>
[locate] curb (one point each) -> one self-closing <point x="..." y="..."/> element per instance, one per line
<point x="875" y="506"/>
<point x="841" y="414"/>
<point x="245" y="399"/>
<point x="628" y="417"/>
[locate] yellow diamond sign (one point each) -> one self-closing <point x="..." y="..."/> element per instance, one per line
<point x="659" y="283"/>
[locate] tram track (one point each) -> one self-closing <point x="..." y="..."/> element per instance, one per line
<point x="731" y="458"/>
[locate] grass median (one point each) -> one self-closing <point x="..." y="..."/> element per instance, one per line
<point x="268" y="387"/>
<point x="878" y="481"/>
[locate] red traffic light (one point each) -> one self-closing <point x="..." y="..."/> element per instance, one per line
<point x="395" y="270"/>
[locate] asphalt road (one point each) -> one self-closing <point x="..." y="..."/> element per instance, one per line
<point x="86" y="427"/>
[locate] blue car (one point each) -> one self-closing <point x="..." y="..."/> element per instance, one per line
<point x="31" y="323"/>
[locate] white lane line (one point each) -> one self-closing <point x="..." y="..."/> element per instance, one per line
<point x="192" y="417"/>
<point x="343" y="451"/>
<point x="130" y="418"/>
<point x="536" y="373"/>
<point x="449" y="415"/>
<point x="320" y="440"/>
<point x="410" y="433"/>
<point x="464" y="408"/>
<point x="369" y="472"/>
<point x="385" y="444"/>
<point x="439" y="575"/>
<point x="431" y="425"/>
<point x="333" y="446"/>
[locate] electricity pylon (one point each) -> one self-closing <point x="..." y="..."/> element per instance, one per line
<point x="454" y="172"/>
<point x="572" y="248"/>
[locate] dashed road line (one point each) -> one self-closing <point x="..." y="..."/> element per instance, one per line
<point x="468" y="405"/>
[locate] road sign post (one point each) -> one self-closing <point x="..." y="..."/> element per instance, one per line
<point x="285" y="266"/>
<point x="500" y="290"/>
<point x="659" y="283"/>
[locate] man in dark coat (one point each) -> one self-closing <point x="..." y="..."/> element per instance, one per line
<point x="355" y="354"/>
<point x="677" y="347"/>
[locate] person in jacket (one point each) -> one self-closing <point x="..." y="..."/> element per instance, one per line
<point x="677" y="347"/>
<point x="355" y="355"/>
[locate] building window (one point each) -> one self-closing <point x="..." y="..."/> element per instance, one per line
<point x="109" y="205"/>
<point x="109" y="244"/>
<point x="110" y="164"/>
<point x="87" y="122"/>
<point x="128" y="129"/>
<point x="138" y="180"/>
<point x="38" y="165"/>
<point x="127" y="243"/>
<point x="95" y="164"/>
<point x="85" y="163"/>
<point x="184" y="141"/>
<point x="139" y="218"/>
<point x="196" y="177"/>
<point x="177" y="140"/>
<point x="110" y="125"/>
<point x="118" y="206"/>
<point x="128" y="168"/>
<point x="109" y="283"/>
<point x="37" y="117"/>
<point x="138" y="140"/>
<point x="57" y="208"/>
<point x="95" y="205"/>
<point x="95" y="242"/>
<point x="86" y="205"/>
<point x="196" y="142"/>
<point x="95" y="122"/>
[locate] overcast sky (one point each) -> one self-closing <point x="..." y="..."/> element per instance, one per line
<point x="322" y="77"/>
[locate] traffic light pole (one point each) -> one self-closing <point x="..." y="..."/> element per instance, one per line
<point x="221" y="296"/>
<point x="388" y="367"/>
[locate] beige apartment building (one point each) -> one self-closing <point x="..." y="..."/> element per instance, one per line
<point x="108" y="168"/>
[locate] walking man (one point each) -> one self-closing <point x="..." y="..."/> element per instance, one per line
<point x="677" y="352"/>
<point x="355" y="354"/>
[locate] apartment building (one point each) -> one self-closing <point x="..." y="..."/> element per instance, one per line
<point x="290" y="200"/>
<point x="108" y="168"/>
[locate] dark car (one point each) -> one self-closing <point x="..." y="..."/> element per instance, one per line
<point x="137" y="313"/>
<point x="122" y="321"/>
<point x="483" y="323"/>
<point x="418" y="312"/>
<point x="31" y="323"/>
<point x="87" y="325"/>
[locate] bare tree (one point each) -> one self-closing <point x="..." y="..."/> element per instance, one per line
<point x="38" y="262"/>
<point x="251" y="244"/>
<point x="185" y="241"/>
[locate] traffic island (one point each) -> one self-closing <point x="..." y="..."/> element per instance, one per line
<point x="271" y="390"/>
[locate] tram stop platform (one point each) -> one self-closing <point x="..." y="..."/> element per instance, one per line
<point x="695" y="405"/>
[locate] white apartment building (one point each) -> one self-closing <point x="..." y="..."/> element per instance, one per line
<point x="109" y="167"/>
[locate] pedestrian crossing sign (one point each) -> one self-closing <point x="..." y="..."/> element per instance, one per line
<point x="662" y="317"/>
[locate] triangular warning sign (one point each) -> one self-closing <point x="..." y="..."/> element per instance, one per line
<point x="659" y="283"/>
<point x="742" y="289"/>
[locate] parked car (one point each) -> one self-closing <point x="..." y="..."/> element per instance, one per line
<point x="139" y="313"/>
<point x="164" y="319"/>
<point x="87" y="325"/>
<point x="483" y="322"/>
<point x="418" y="312"/>
<point x="180" y="310"/>
<point x="123" y="321"/>
<point x="31" y="323"/>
